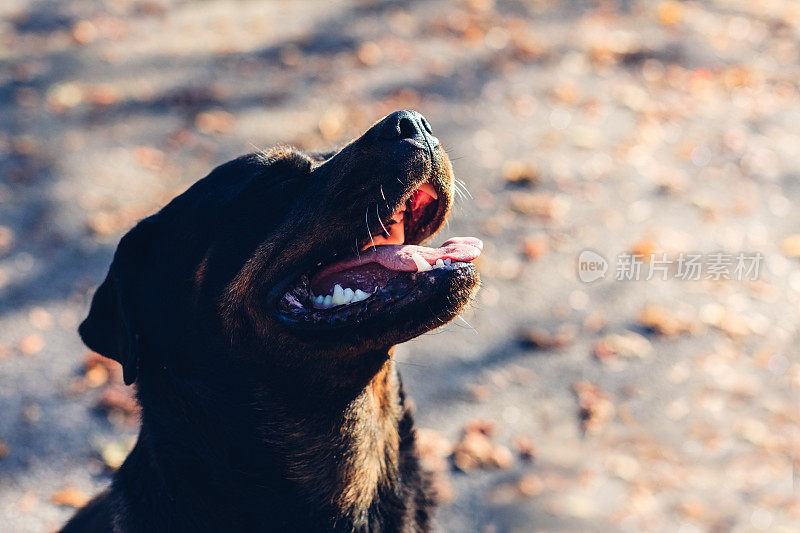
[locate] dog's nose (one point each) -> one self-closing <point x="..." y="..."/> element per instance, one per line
<point x="407" y="125"/>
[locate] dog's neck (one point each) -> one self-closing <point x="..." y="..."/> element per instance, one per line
<point x="344" y="464"/>
<point x="347" y="461"/>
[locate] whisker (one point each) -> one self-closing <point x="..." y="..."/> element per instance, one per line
<point x="386" y="231"/>
<point x="464" y="186"/>
<point x="412" y="364"/>
<point x="460" y="191"/>
<point x="366" y="219"/>
<point x="467" y="323"/>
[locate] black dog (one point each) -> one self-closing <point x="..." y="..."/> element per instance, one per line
<point x="256" y="313"/>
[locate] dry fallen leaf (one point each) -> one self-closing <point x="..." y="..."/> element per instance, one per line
<point x="70" y="497"/>
<point x="102" y="95"/>
<point x="540" y="204"/>
<point x="537" y="339"/>
<point x="596" y="409"/>
<point x="214" y="122"/>
<point x="487" y="427"/>
<point x="664" y="322"/>
<point x="525" y="447"/>
<point x="726" y="320"/>
<point x="535" y="247"/>
<point x="628" y="344"/>
<point x="521" y="173"/>
<point x="477" y="450"/>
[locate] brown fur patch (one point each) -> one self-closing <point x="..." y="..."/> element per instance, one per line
<point x="375" y="444"/>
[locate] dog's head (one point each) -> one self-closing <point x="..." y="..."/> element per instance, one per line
<point x="301" y="268"/>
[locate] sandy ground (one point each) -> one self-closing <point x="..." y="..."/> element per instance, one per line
<point x="620" y="127"/>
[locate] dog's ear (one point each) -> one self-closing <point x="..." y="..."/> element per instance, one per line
<point x="111" y="328"/>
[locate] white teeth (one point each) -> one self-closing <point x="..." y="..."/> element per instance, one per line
<point x="422" y="265"/>
<point x="348" y="295"/>
<point x="339" y="297"/>
<point x="360" y="295"/>
<point x="428" y="189"/>
<point x="442" y="263"/>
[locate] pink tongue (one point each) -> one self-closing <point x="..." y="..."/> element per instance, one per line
<point x="398" y="256"/>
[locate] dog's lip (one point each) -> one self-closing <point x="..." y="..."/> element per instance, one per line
<point x="409" y="289"/>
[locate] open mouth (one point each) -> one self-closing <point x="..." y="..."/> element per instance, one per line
<point x="389" y="271"/>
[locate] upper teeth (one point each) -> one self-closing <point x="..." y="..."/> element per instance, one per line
<point x="339" y="296"/>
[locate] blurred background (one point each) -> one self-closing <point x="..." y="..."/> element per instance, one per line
<point x="555" y="405"/>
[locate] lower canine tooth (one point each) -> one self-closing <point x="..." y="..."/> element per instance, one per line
<point x="338" y="295"/>
<point x="422" y="265"/>
<point x="326" y="302"/>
